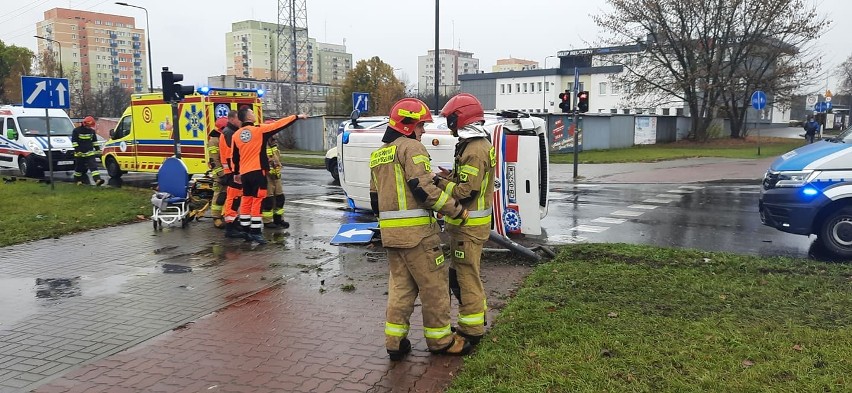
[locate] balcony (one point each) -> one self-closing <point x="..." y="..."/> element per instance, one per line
<point x="137" y="72"/>
<point x="137" y="80"/>
<point x="136" y="45"/>
<point x="116" y="80"/>
<point x="135" y="37"/>
<point x="113" y="35"/>
<point x="136" y="54"/>
<point x="137" y="64"/>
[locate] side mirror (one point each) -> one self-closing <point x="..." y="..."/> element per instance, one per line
<point x="11" y="134"/>
<point x="112" y="133"/>
<point x="354" y="117"/>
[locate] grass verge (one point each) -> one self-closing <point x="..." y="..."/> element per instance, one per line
<point x="304" y="161"/>
<point x="624" y="318"/>
<point x="31" y="211"/>
<point x="726" y="148"/>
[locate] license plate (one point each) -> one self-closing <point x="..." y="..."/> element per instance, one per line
<point x="510" y="183"/>
<point x="65" y="162"/>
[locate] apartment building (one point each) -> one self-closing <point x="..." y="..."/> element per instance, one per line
<point x="251" y="50"/>
<point x="513" y="64"/>
<point x="452" y="64"/>
<point x="97" y="50"/>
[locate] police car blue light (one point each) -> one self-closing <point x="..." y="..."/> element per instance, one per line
<point x="345" y="137"/>
<point x="260" y="92"/>
<point x="809" y="191"/>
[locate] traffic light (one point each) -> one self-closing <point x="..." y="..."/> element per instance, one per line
<point x="172" y="90"/>
<point x="565" y="102"/>
<point x="583" y="101"/>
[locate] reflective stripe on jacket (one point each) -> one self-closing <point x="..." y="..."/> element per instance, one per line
<point x="472" y="183"/>
<point x="400" y="170"/>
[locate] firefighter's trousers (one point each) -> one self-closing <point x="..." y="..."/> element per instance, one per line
<point x="84" y="164"/>
<point x="273" y="204"/>
<point x="421" y="267"/>
<point x="466" y="252"/>
<point x="217" y="203"/>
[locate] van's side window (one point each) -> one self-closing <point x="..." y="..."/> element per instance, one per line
<point x="123" y="128"/>
<point x="10" y="125"/>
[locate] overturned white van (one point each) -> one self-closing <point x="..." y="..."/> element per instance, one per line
<point x="521" y="174"/>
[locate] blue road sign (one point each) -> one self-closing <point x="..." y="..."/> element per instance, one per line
<point x="38" y="92"/>
<point x="821" y="107"/>
<point x="758" y="100"/>
<point x="361" y="102"/>
<point x="361" y="232"/>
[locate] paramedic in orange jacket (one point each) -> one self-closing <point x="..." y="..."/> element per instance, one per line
<point x="252" y="166"/>
<point x="405" y="197"/>
<point x="234" y="190"/>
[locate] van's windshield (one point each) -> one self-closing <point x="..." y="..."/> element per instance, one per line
<point x="36" y="126"/>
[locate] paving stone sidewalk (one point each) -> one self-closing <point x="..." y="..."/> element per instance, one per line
<point x="129" y="309"/>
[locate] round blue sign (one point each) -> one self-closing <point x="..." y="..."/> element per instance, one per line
<point x="758" y="100"/>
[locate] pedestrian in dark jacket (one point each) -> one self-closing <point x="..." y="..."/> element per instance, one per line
<point x="811" y="128"/>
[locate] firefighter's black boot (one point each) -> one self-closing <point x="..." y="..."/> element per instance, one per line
<point x="233" y="232"/>
<point x="404" y="349"/>
<point x="278" y="219"/>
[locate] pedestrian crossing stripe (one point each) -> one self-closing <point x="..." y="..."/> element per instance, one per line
<point x="643" y="207"/>
<point x="313" y="202"/>
<point x="668" y="196"/>
<point x="655" y="200"/>
<point x="588" y="228"/>
<point x="692" y="187"/>
<point x="680" y="191"/>
<point x="627" y="213"/>
<point x="609" y="220"/>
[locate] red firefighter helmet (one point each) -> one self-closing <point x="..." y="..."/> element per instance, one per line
<point x="407" y="113"/>
<point x="89" y="121"/>
<point x="221" y="123"/>
<point x="461" y="110"/>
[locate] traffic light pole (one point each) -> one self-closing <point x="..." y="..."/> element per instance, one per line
<point x="576" y="141"/>
<point x="175" y="128"/>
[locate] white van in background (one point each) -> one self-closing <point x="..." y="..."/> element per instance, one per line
<point x="24" y="143"/>
<point x="521" y="175"/>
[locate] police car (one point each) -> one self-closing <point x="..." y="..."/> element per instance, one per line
<point x="809" y="191"/>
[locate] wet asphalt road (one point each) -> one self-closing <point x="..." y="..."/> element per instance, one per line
<point x="707" y="216"/>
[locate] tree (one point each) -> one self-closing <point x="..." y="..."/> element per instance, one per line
<point x="711" y="55"/>
<point x="369" y="76"/>
<point x="844" y="72"/>
<point x="14" y="62"/>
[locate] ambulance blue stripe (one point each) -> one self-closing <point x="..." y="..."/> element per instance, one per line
<point x="42" y="141"/>
<point x="800" y="158"/>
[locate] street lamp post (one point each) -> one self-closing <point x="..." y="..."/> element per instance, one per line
<point x="544" y="88"/>
<point x="148" y="36"/>
<point x="61" y="74"/>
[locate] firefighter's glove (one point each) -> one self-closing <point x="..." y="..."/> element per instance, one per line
<point x="463" y="216"/>
<point x="78" y="154"/>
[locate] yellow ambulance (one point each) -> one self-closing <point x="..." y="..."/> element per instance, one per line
<point x="144" y="136"/>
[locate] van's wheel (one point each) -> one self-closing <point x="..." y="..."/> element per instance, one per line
<point x="113" y="170"/>
<point x="28" y="167"/>
<point x="332" y="167"/>
<point x="836" y="233"/>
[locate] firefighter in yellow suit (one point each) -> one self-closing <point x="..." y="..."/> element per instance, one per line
<point x="273" y="205"/>
<point x="404" y="195"/>
<point x="216" y="172"/>
<point x="471" y="182"/>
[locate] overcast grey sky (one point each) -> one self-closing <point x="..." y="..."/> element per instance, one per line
<point x="189" y="35"/>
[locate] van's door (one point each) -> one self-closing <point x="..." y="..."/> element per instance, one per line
<point x="124" y="145"/>
<point x="7" y="143"/>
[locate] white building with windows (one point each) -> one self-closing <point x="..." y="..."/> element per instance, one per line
<point x="452" y="63"/>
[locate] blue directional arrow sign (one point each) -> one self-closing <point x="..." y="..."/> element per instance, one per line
<point x="820" y="107"/>
<point x="361" y="102"/>
<point x="38" y="92"/>
<point x="355" y="233"/>
<point x="758" y="100"/>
